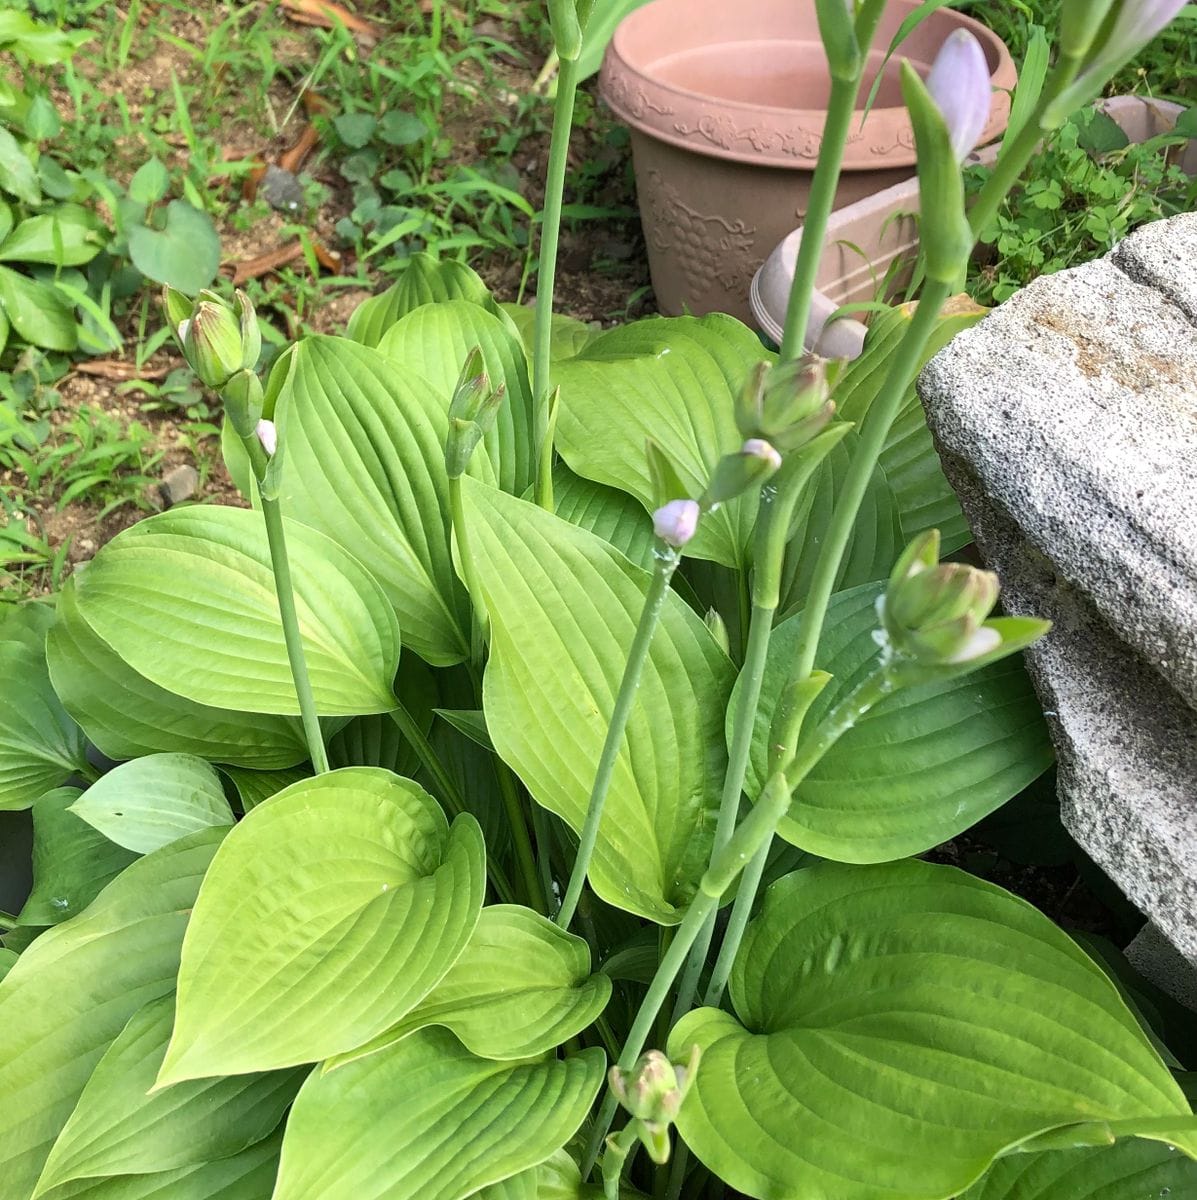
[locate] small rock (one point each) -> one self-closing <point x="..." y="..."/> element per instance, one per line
<point x="179" y="484"/>
<point x="615" y="249"/>
<point x="280" y="189"/>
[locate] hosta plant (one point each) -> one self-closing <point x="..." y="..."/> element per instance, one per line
<point x="558" y="732"/>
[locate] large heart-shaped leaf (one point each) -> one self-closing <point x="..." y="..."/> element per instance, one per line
<point x="434" y="341"/>
<point x="40" y="746"/>
<point x="126" y="715"/>
<point x="66" y="237"/>
<point x="249" y="1175"/>
<point x="611" y="514"/>
<point x="153" y="801"/>
<point x="119" y="1128"/>
<point x="425" y="280"/>
<point x="37" y="311"/>
<point x="184" y="253"/>
<point x="674" y="380"/>
<point x="568" y="335"/>
<point x="365" y="463"/>
<point x="72" y="862"/>
<point x="1128" y="1170"/>
<point x="346" y="898"/>
<point x="521" y="987"/>
<point x="187" y="599"/>
<point x="563" y="608"/>
<point x="899" y="1027"/>
<point x="71" y="992"/>
<point x="922" y="494"/>
<point x="921" y="767"/>
<point x="875" y="541"/>
<point x="464" y="1122"/>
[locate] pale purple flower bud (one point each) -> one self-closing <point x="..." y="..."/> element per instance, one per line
<point x="1139" y="21"/>
<point x="676" y="522"/>
<point x="268" y="436"/>
<point x="960" y="86"/>
<point x="759" y="448"/>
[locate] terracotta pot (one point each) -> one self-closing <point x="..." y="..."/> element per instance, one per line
<point x="869" y="241"/>
<point x="726" y="102"/>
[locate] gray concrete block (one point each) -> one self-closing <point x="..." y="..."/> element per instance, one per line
<point x="1075" y="405"/>
<point x="1126" y="743"/>
<point x="1157" y="960"/>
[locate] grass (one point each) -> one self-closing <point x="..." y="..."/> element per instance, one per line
<point x="428" y="139"/>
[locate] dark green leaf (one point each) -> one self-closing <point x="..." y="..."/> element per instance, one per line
<point x="185" y="253"/>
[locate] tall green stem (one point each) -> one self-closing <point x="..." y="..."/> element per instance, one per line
<point x="870" y="691"/>
<point x="469" y="571"/>
<point x="666" y="563"/>
<point x="525" y="856"/>
<point x="450" y="794"/>
<point x="546" y="275"/>
<point x="878" y="422"/>
<point x="756" y="829"/>
<point x="840" y="108"/>
<point x="281" y="565"/>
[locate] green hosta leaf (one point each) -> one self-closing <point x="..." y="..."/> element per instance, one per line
<point x="425" y="281"/>
<point x="249" y="1175"/>
<point x="126" y="715"/>
<point x="560" y="1179"/>
<point x="17" y="171"/>
<point x="924" y="498"/>
<point x="153" y="801"/>
<point x="611" y="514"/>
<point x="876" y="539"/>
<point x="8" y="960"/>
<point x="674" y="380"/>
<point x="434" y="341"/>
<point x="924" y="764"/>
<point x="120" y="1128"/>
<point x="38" y="312"/>
<point x="365" y="463"/>
<point x="347" y="897"/>
<point x="519" y="1187"/>
<point x="563" y="608"/>
<point x="40" y="746"/>
<point x="520" y="988"/>
<point x="569" y="336"/>
<point x="464" y="1122"/>
<point x="72" y="991"/>
<point x="187" y="599"/>
<point x="185" y="253"/>
<point x="255" y="786"/>
<point x="72" y="863"/>
<point x="67" y="237"/>
<point x="899" y="1027"/>
<point x="1128" y="1170"/>
<point x="922" y="495"/>
<point x="599" y="30"/>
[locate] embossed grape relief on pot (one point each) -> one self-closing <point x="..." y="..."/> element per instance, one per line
<point x="720" y="130"/>
<point x="712" y="251"/>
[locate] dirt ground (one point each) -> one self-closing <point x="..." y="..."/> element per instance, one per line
<point x="601" y="266"/>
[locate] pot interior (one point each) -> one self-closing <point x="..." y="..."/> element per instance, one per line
<point x="773" y="72"/>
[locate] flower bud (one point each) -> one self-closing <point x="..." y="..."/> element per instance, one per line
<point x="959" y="84"/>
<point x="243" y="401"/>
<point x="737" y="473"/>
<point x="653" y="1091"/>
<point x="675" y="523"/>
<point x="267" y="434"/>
<point x="472" y="413"/>
<point x="718" y="629"/>
<point x="933" y="612"/>
<point x="786" y="404"/>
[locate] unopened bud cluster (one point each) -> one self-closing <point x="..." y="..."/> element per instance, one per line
<point x="652" y="1092"/>
<point x="934" y="612"/>
<point x="472" y="413"/>
<point x="785" y="405"/>
<point x="221" y="344"/>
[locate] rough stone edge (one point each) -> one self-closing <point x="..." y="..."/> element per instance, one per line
<point x="1140" y="847"/>
<point x="1161" y="644"/>
<point x="1175" y="241"/>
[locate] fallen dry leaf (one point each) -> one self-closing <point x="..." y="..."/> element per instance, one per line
<point x="272" y="260"/>
<point x="293" y="158"/>
<point x="327" y="15"/>
<point x="121" y="372"/>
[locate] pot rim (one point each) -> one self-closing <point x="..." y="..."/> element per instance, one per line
<point x="773" y="135"/>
